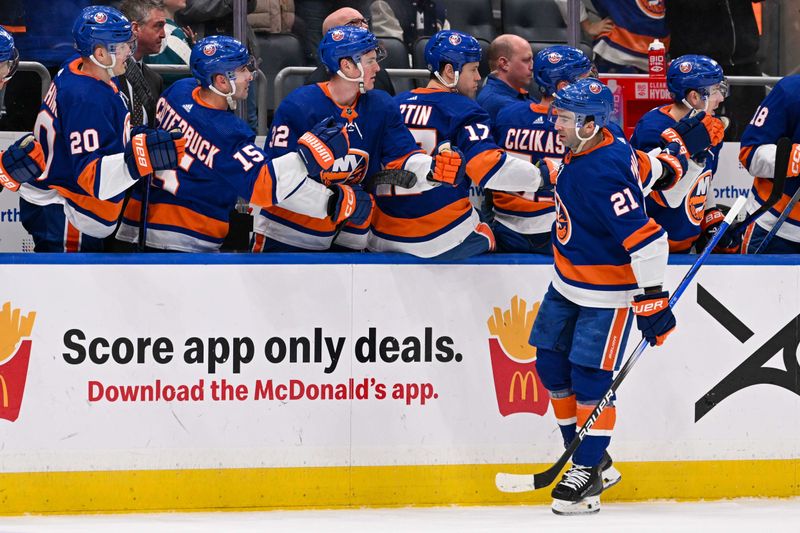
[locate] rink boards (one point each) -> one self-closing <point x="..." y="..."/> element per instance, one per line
<point x="237" y="382"/>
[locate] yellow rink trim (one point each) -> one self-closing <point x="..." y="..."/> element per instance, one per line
<point x="303" y="488"/>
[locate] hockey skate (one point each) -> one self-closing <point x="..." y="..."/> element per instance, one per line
<point x="611" y="476"/>
<point x="578" y="492"/>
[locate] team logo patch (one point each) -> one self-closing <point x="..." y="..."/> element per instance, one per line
<point x="100" y="18"/>
<point x="337" y="35"/>
<point x="210" y="49"/>
<point x="696" y="199"/>
<point x="554" y="57"/>
<point x="349" y="169"/>
<point x="454" y="39"/>
<point x="595" y="88"/>
<point x="685" y="67"/>
<point x="654" y="9"/>
<point x="563" y="223"/>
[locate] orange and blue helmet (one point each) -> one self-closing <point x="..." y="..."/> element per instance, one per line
<point x="693" y="72"/>
<point x="587" y="97"/>
<point x="100" y="26"/>
<point x="349" y="42"/>
<point x="452" y="47"/>
<point x="8" y="52"/>
<point x="218" y="54"/>
<point x="559" y="63"/>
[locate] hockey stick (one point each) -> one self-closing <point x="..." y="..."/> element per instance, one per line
<point x="148" y="181"/>
<point x="783" y="151"/>
<point x="778" y="223"/>
<point x="528" y="482"/>
<point x="397" y="177"/>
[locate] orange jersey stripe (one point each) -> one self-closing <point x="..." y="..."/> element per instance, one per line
<point x="72" y="239"/>
<point x="104" y="209"/>
<point x="594" y="274"/>
<point x="614" y="342"/>
<point x="763" y="187"/>
<point x="744" y="153"/>
<point x="631" y="41"/>
<point x="87" y="178"/>
<point x="641" y="234"/>
<point x="321" y="225"/>
<point x="400" y="161"/>
<point x="681" y="246"/>
<point x="645" y="167"/>
<point x="182" y="217"/>
<point x="513" y="202"/>
<point x="482" y="164"/>
<point x="423" y="226"/>
<point x="606" y="421"/>
<point x="262" y="189"/>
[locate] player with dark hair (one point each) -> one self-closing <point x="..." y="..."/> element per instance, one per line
<point x="609" y="255"/>
<point x="777" y="116"/>
<point x="84" y="128"/>
<point x="189" y="207"/>
<point x="441" y="223"/>
<point x="378" y="140"/>
<point x="23" y="160"/>
<point x="687" y="212"/>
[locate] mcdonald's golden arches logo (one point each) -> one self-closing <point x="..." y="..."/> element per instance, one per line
<point x="15" y="351"/>
<point x="516" y="382"/>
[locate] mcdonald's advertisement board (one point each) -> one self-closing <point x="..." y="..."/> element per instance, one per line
<point x="302" y="385"/>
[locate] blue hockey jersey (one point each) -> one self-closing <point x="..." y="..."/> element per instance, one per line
<point x="190" y="207"/>
<point x="602" y="230"/>
<point x="524" y="131"/>
<point x="378" y="139"/>
<point x="636" y="24"/>
<point x="439" y="219"/>
<point x="83" y="126"/>
<point x="682" y="223"/>
<point x="777" y="116"/>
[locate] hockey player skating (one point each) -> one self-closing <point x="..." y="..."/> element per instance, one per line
<point x="777" y="116"/>
<point x="697" y="84"/>
<point x="91" y="158"/>
<point x="440" y="222"/>
<point x="189" y="207"/>
<point x="609" y="255"/>
<point x="378" y="140"/>
<point x="23" y="160"/>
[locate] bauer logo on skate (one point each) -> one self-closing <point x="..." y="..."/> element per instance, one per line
<point x="516" y="382"/>
<point x="15" y="352"/>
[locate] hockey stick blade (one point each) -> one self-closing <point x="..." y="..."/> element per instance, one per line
<point x="783" y="152"/>
<point x="515" y="482"/>
<point x="397" y="177"/>
<point x="525" y="483"/>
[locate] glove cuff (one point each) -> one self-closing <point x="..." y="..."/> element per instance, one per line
<point x="141" y="156"/>
<point x="711" y="218"/>
<point x="6" y="180"/>
<point x="650" y="304"/>
<point x="319" y="150"/>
